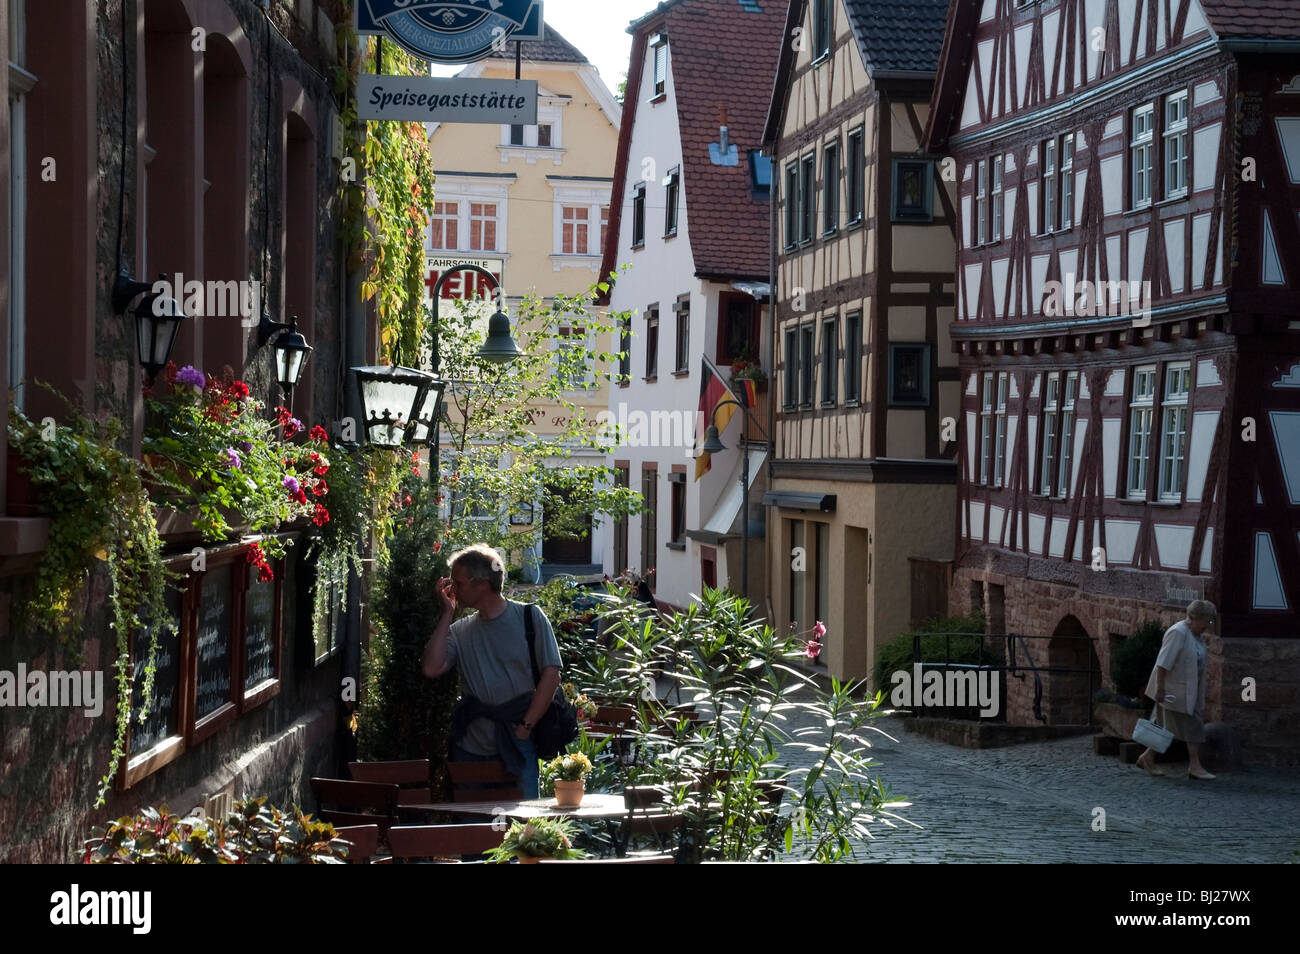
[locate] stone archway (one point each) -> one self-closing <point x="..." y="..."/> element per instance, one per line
<point x="1067" y="693"/>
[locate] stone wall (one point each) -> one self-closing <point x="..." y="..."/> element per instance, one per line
<point x="51" y="760"/>
<point x="1039" y="597"/>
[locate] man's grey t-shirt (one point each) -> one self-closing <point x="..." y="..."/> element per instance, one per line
<point x="493" y="659"/>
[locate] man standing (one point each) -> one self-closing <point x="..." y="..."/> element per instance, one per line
<point x="500" y="704"/>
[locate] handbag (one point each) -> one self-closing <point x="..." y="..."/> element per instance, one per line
<point x="558" y="726"/>
<point x="1149" y="733"/>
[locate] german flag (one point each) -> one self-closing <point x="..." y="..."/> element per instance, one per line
<point x="713" y="392"/>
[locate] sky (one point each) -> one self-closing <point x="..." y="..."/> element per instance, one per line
<point x="597" y="27"/>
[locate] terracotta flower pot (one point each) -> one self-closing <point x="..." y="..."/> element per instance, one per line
<point x="526" y="859"/>
<point x="569" y="794"/>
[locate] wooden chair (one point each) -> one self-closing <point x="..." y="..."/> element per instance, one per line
<point x="356" y="803"/>
<point x="442" y="842"/>
<point x="482" y="782"/>
<point x="411" y="778"/>
<point x="363" y="842"/>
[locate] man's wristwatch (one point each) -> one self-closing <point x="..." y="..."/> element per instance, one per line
<point x="527" y="725"/>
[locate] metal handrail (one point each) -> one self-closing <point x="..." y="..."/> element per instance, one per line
<point x="1010" y="667"/>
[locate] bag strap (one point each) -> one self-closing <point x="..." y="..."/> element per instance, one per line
<point x="1154" y="709"/>
<point x="532" y="642"/>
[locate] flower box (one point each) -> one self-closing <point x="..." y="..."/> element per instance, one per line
<point x="21" y="497"/>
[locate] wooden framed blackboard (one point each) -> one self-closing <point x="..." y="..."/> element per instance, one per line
<point x="215" y="651"/>
<point x="160" y="737"/>
<point x="261" y="638"/>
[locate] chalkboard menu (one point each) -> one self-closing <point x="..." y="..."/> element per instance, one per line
<point x="259" y="634"/>
<point x="214" y="642"/>
<point x="160" y="718"/>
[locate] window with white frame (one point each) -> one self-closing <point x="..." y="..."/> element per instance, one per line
<point x="791" y="204"/>
<point x="822" y="13"/>
<point x="638" y="215"/>
<point x="1067" y="435"/>
<point x="830" y="187"/>
<point x="1049" y="186"/>
<point x="981" y="203"/>
<point x="1142" y="154"/>
<point x="1173" y="429"/>
<point x="546" y="133"/>
<point x="1067" y="180"/>
<point x="574" y="230"/>
<point x="444" y="226"/>
<point x="604" y="227"/>
<point x="1000" y="435"/>
<point x="672" y="200"/>
<point x="996" y="199"/>
<point x="482" y="226"/>
<point x="1176" y="144"/>
<point x="986" y="423"/>
<point x="1051" y="433"/>
<point x="570" y="357"/>
<point x="659" y="51"/>
<point x="1141" y="408"/>
<point x="807" y="198"/>
<point x="1057" y="457"/>
<point x="470" y="214"/>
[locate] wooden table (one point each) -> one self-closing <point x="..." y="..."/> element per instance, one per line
<point x="594" y="805"/>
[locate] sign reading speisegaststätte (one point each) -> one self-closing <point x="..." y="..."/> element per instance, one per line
<point x="429" y="100"/>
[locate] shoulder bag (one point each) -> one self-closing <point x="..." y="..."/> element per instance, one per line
<point x="558" y="726"/>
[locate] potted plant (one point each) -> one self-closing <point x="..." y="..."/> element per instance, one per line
<point x="538" y="838"/>
<point x="748" y="369"/>
<point x="586" y="707"/>
<point x="210" y="454"/>
<point x="568" y="770"/>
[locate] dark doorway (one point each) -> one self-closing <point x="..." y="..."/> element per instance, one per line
<point x="1069" y="693"/>
<point x="566" y="550"/>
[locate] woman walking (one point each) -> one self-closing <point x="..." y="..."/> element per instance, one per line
<point x="1177" y="686"/>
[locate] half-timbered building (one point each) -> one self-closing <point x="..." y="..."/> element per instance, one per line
<point x="859" y="523"/>
<point x="1129" y="335"/>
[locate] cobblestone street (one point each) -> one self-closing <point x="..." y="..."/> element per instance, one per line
<point x="1035" y="803"/>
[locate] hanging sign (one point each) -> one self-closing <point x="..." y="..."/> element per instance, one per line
<point x="426" y="99"/>
<point x="444" y="31"/>
<point x="462" y="283"/>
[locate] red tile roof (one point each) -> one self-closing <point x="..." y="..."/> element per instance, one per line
<point x="1268" y="19"/>
<point x="723" y="56"/>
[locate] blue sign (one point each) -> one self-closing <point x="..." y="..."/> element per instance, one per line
<point x="446" y="31"/>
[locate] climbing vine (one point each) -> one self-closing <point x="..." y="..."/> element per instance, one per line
<point x="388" y="191"/>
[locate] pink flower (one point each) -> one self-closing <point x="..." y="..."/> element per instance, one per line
<point x="813" y="649"/>
<point x="819" y="630"/>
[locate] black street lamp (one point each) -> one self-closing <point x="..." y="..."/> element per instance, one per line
<point x="713" y="445"/>
<point x="291" y="349"/>
<point x="392" y="398"/>
<point x="158" y="320"/>
<point x="499" y="347"/>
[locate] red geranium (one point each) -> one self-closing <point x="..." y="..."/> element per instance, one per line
<point x="318" y="434"/>
<point x="320" y="516"/>
<point x="320" y="489"/>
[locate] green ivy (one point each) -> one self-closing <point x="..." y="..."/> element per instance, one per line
<point x="386" y="205"/>
<point x="99" y="511"/>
